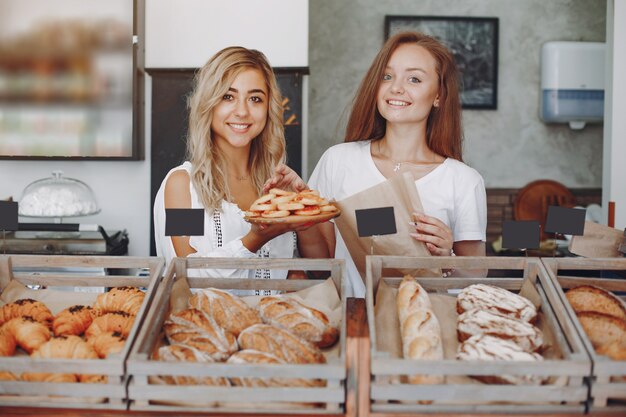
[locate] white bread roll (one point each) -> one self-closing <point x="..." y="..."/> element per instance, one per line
<point x="419" y="328"/>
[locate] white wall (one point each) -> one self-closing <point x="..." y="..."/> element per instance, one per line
<point x="614" y="169"/>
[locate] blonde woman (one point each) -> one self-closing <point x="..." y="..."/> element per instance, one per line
<point x="236" y="140"/>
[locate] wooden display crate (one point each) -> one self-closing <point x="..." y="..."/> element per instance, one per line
<point x="288" y="400"/>
<point x="78" y="272"/>
<point x="390" y="394"/>
<point x="608" y="392"/>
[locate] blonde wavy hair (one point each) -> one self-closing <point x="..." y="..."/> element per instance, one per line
<point x="211" y="83"/>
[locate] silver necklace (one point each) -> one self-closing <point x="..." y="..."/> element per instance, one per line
<point x="396" y="164"/>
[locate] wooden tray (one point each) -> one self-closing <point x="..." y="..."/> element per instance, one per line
<point x="388" y="394"/>
<point x="607" y="393"/>
<point x="294" y="219"/>
<point x="178" y="398"/>
<point x="57" y="271"/>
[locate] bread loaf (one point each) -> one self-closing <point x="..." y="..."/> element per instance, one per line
<point x="7" y="342"/>
<point x="484" y="347"/>
<point x="614" y="350"/>
<point x="107" y="343"/>
<point x="26" y="308"/>
<point x="477" y="321"/>
<point x="29" y="333"/>
<point x="73" y="321"/>
<point x="591" y="298"/>
<point x="489" y="297"/>
<point x="249" y="356"/>
<point x="126" y="299"/>
<point x="281" y="343"/>
<point x="117" y="321"/>
<point x="193" y="328"/>
<point x="603" y="329"/>
<point x="180" y="353"/>
<point x="419" y="328"/>
<point x="304" y="321"/>
<point x="228" y="310"/>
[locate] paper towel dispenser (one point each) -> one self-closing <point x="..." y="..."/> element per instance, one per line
<point x="572" y="83"/>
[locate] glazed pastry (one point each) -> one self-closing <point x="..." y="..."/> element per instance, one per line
<point x="107" y="343"/>
<point x="29" y="333"/>
<point x="304" y="321"/>
<point x="478" y="321"/>
<point x="7" y="342"/>
<point x="281" y="343"/>
<point x="63" y="347"/>
<point x="488" y="297"/>
<point x="116" y="321"/>
<point x="73" y="321"/>
<point x="228" y="310"/>
<point x="126" y="299"/>
<point x="193" y="328"/>
<point x="483" y="347"/>
<point x="180" y="353"/>
<point x="249" y="356"/>
<point x="419" y="328"/>
<point x="591" y="298"/>
<point x="26" y="307"/>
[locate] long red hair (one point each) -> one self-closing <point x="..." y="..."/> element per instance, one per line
<point x="444" y="134"/>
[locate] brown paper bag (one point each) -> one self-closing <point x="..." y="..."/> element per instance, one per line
<point x="597" y="241"/>
<point x="398" y="191"/>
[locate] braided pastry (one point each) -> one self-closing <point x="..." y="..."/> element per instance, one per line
<point x="229" y="311"/>
<point x="63" y="347"/>
<point x="181" y="353"/>
<point x="73" y="321"/>
<point x="281" y="343"/>
<point x="29" y="333"/>
<point x="304" y="321"/>
<point x="116" y="321"/>
<point x="26" y="307"/>
<point x="193" y="328"/>
<point x="249" y="356"/>
<point x="7" y="342"/>
<point x="126" y="299"/>
<point x="107" y="343"/>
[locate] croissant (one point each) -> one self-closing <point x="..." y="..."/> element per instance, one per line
<point x="62" y="347"/>
<point x="117" y="321"/>
<point x="228" y="310"/>
<point x="26" y="307"/>
<point x="304" y="321"/>
<point x="193" y="328"/>
<point x="281" y="343"/>
<point x="29" y="333"/>
<point x="107" y="343"/>
<point x="7" y="376"/>
<point x="73" y="321"/>
<point x="180" y="353"/>
<point x="126" y="299"/>
<point x="7" y="342"/>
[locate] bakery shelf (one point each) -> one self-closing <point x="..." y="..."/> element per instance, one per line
<point x="230" y="399"/>
<point x="608" y="383"/>
<point x="77" y="275"/>
<point x="567" y="364"/>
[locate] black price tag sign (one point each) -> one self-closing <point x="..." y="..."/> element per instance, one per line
<point x="375" y="221"/>
<point x="524" y="234"/>
<point x="8" y="215"/>
<point x="568" y="221"/>
<point x="184" y="222"/>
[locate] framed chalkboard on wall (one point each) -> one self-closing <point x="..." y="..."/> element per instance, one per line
<point x="169" y="121"/>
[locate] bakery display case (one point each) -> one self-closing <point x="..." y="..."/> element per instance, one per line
<point x="601" y="326"/>
<point x="557" y="383"/>
<point x="222" y="375"/>
<point x="41" y="382"/>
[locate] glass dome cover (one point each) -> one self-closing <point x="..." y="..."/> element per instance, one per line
<point x="57" y="197"/>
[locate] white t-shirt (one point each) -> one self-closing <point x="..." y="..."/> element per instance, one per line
<point x="452" y="192"/>
<point x="223" y="230"/>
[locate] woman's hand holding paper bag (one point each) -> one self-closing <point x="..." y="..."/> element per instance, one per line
<point x="434" y="233"/>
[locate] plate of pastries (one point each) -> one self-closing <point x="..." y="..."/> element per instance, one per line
<point x="218" y="326"/>
<point x="78" y="332"/>
<point x="280" y="206"/>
